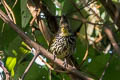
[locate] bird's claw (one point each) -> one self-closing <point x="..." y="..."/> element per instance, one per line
<point x="54" y="56"/>
<point x="65" y="63"/>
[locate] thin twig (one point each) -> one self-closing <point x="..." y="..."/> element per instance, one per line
<point x="106" y="66"/>
<point x="6" y="9"/>
<point x="100" y="37"/>
<point x="10" y="10"/>
<point x="42" y="27"/>
<point x="35" y="17"/>
<point x="29" y="66"/>
<point x="5" y="70"/>
<point x="86" y="5"/>
<point x="85" y="21"/>
<point x="109" y="33"/>
<point x="72" y="2"/>
<point x="100" y="19"/>
<point x="86" y="53"/>
<point x="50" y="67"/>
<point x="14" y="3"/>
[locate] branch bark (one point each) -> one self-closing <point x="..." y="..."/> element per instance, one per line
<point x="40" y="49"/>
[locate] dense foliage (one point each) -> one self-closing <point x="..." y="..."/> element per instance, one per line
<point x="94" y="55"/>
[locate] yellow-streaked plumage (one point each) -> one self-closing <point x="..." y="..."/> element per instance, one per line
<point x="63" y="44"/>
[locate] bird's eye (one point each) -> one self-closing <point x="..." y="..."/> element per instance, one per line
<point x="62" y="29"/>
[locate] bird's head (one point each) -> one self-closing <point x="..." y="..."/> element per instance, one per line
<point x="64" y="26"/>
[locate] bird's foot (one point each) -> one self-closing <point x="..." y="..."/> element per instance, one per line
<point x="54" y="56"/>
<point x="65" y="63"/>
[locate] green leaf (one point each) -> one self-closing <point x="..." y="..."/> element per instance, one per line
<point x="70" y="11"/>
<point x="97" y="64"/>
<point x="12" y="72"/>
<point x="61" y="1"/>
<point x="68" y="7"/>
<point x="10" y="63"/>
<point x="13" y="46"/>
<point x="36" y="72"/>
<point x="23" y="50"/>
<point x="113" y="70"/>
<point x="80" y="51"/>
<point x="7" y="35"/>
<point x="40" y="39"/>
<point x="59" y="76"/>
<point x="50" y="5"/>
<point x="17" y="11"/>
<point x="25" y="14"/>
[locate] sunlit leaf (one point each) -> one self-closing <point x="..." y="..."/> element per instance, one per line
<point x="10" y="63"/>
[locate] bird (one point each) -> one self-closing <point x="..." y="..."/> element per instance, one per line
<point x="63" y="44"/>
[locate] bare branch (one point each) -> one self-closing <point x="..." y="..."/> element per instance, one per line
<point x="109" y="33"/>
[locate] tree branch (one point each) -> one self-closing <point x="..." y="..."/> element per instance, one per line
<point x="112" y="10"/>
<point x="109" y="33"/>
<point x="40" y="49"/>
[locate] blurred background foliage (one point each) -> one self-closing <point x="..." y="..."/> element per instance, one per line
<point x="101" y="63"/>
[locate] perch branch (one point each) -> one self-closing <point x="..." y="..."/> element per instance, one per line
<point x="40" y="49"/>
